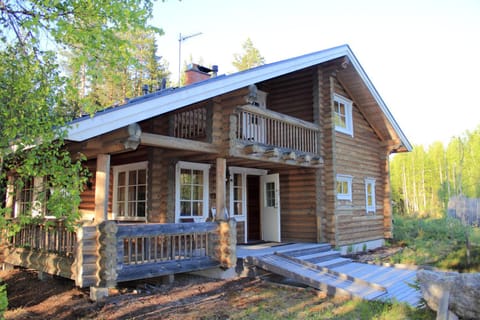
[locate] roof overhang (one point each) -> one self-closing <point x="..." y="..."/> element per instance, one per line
<point x="160" y="103"/>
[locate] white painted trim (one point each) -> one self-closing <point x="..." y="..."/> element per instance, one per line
<point x="248" y="171"/>
<point x="127" y="167"/>
<point x="348" y="114"/>
<point x="154" y="105"/>
<point x="372" y="208"/>
<point x="244" y="172"/>
<point x="206" y="189"/>
<point x="349" y="180"/>
<point x="242" y="217"/>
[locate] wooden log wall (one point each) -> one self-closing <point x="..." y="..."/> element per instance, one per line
<point x="292" y="94"/>
<point x="326" y="175"/>
<point x="298" y="204"/>
<point x="361" y="157"/>
<point x="87" y="204"/>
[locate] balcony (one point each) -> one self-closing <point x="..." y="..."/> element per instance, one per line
<point x="272" y="136"/>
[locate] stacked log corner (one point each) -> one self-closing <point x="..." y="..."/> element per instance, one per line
<point x="107" y="254"/>
<point x="224" y="243"/>
<point x="86" y="257"/>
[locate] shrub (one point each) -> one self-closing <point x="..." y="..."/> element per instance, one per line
<point x="3" y="300"/>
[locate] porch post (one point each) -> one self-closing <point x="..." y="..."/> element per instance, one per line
<point x="220" y="187"/>
<point x="102" y="178"/>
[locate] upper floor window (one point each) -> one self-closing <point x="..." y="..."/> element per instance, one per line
<point x="344" y="187"/>
<point x="130" y="191"/>
<point x="342" y="108"/>
<point x="370" y="195"/>
<point x="191" y="201"/>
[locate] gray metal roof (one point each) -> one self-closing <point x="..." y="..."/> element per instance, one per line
<point x="161" y="102"/>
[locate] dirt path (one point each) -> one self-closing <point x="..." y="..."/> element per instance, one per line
<point x="189" y="297"/>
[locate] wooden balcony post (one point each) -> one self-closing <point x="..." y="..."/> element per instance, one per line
<point x="220" y="188"/>
<point x="102" y="178"/>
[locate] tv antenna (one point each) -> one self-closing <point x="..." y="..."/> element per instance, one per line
<point x="180" y="40"/>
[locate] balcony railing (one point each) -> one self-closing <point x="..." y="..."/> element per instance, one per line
<point x="266" y="127"/>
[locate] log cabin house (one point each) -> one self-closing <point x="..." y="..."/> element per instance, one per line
<point x="292" y="151"/>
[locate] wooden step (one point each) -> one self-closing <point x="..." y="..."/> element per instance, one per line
<point x="319" y="256"/>
<point x="321" y="247"/>
<point x="332" y="263"/>
<point x="320" y="278"/>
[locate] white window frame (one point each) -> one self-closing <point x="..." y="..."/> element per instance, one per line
<point x="348" y="114"/>
<point x="349" y="180"/>
<point x="192" y="166"/>
<point x="126" y="168"/>
<point x="370" y="208"/>
<point x="243" y="172"/>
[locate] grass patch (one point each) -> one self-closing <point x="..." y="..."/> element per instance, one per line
<point x="436" y="242"/>
<point x="268" y="301"/>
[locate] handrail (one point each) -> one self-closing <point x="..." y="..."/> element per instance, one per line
<point x="256" y="125"/>
<point x="50" y="236"/>
<point x="145" y="243"/>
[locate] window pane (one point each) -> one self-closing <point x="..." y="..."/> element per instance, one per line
<point x="121" y="209"/>
<point x="237" y="209"/>
<point x="185" y="208"/>
<point x="121" y="194"/>
<point x="132" y="193"/>
<point x="237" y="194"/>
<point x="197" y="193"/>
<point x="197" y="177"/>
<point x="132" y="177"/>
<point x="185" y="176"/>
<point x="132" y="212"/>
<point x="185" y="192"/>
<point x="142" y="176"/>
<point x="121" y="179"/>
<point x="270" y="194"/>
<point x="197" y="209"/>
<point x="142" y="193"/>
<point x="141" y="209"/>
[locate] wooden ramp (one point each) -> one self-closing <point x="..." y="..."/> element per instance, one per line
<point x="318" y="266"/>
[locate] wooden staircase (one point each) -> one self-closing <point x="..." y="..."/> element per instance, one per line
<point x="322" y="268"/>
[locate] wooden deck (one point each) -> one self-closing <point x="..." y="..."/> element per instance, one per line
<point x="320" y="267"/>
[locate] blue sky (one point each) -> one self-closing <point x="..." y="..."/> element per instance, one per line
<point x="423" y="56"/>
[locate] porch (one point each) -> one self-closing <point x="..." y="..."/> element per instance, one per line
<point x="108" y="253"/>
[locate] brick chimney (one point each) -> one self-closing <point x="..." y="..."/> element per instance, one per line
<point x="196" y="73"/>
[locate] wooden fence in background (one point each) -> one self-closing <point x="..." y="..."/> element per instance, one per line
<point x="465" y="209"/>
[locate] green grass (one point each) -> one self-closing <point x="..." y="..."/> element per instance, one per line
<point x="436" y="242"/>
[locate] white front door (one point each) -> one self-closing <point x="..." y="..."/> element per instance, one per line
<point x="270" y="207"/>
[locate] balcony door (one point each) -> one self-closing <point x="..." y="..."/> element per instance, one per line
<point x="270" y="207"/>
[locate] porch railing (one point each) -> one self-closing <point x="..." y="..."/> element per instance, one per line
<point x="111" y="252"/>
<point x="163" y="242"/>
<point x="46" y="236"/>
<point x="135" y="251"/>
<point x="256" y="125"/>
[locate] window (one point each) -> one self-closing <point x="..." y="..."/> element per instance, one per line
<point x="238" y="190"/>
<point x="344" y="187"/>
<point x="130" y="191"/>
<point x="24" y="196"/>
<point x="238" y="194"/>
<point x="191" y="201"/>
<point x="370" y="195"/>
<point x="270" y="199"/>
<point x="31" y="197"/>
<point x="342" y="108"/>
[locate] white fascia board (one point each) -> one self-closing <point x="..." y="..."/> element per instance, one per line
<point x="379" y="100"/>
<point x="105" y="122"/>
